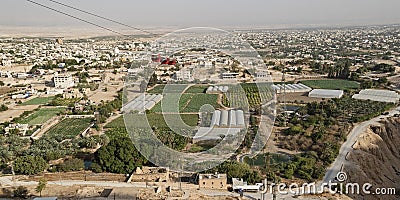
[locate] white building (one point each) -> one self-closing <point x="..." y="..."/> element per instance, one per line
<point x="229" y="75"/>
<point x="63" y="81"/>
<point x="183" y="75"/>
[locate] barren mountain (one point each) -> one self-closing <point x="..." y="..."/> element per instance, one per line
<point x="376" y="159"/>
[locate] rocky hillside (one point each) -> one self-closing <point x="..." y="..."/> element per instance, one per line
<point x="376" y="159"/>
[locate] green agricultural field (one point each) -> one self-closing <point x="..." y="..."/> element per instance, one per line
<point x="334" y="84"/>
<point x="69" y="128"/>
<point x="155" y="120"/>
<point x="177" y="88"/>
<point x="198" y="100"/>
<point x="172" y="99"/>
<point x="39" y="101"/>
<point x="41" y="116"/>
<point x="247" y="94"/>
<point x="197" y="89"/>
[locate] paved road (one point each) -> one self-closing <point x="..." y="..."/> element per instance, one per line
<point x="347" y="147"/>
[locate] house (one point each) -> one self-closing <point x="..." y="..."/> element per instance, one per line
<point x="72" y="94"/>
<point x="22" y="128"/>
<point x="213" y="181"/>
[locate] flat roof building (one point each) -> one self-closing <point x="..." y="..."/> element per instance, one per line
<point x="63" y="81"/>
<point x="213" y="181"/>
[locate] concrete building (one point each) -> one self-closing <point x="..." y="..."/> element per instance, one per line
<point x="213" y="181"/>
<point x="326" y="94"/>
<point x="63" y="81"/>
<point x="183" y="75"/>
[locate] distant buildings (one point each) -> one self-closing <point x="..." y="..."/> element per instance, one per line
<point x="183" y="75"/>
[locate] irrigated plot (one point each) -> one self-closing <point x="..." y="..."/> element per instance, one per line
<point x="39" y="101"/>
<point x="199" y="100"/>
<point x="333" y="84"/>
<point x="154" y="120"/>
<point x="69" y="128"/>
<point x="168" y="103"/>
<point x="41" y="116"/>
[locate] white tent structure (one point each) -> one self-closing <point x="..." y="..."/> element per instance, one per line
<point x="386" y="96"/>
<point x="291" y="88"/>
<point x="228" y="118"/>
<point x="326" y="94"/>
<point x="142" y="103"/>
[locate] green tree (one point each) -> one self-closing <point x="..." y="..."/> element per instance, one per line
<point x="73" y="164"/>
<point x="41" y="186"/>
<point x="30" y="165"/>
<point x="120" y="155"/>
<point x="21" y="192"/>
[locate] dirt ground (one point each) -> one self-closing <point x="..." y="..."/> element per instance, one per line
<point x="5" y="90"/>
<point x="15" y="112"/>
<point x="299" y="97"/>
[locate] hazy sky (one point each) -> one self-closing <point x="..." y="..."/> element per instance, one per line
<point x="217" y="13"/>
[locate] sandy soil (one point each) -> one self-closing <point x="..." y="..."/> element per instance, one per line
<point x="15" y="112"/>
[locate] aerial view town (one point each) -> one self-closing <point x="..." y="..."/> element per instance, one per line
<point x="246" y="110"/>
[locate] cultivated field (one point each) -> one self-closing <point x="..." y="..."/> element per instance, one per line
<point x="247" y="94"/>
<point x="41" y="116"/>
<point x="39" y="101"/>
<point x="69" y="128"/>
<point x="198" y="100"/>
<point x="332" y="84"/>
<point x="155" y="120"/>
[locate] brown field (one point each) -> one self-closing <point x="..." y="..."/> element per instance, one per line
<point x="298" y="97"/>
<point x="5" y="90"/>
